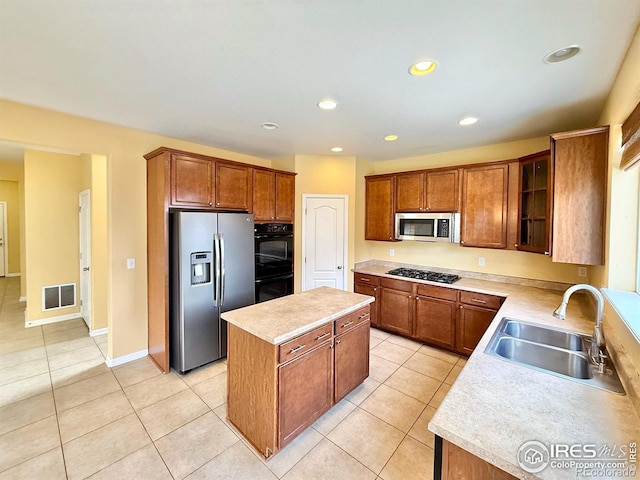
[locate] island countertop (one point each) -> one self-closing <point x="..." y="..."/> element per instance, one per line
<point x="495" y="406"/>
<point x="284" y="318"/>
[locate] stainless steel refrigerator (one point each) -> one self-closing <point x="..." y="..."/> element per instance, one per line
<point x="211" y="271"/>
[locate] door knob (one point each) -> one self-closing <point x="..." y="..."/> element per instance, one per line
<point x="339" y="267"/>
<point x="85" y="269"/>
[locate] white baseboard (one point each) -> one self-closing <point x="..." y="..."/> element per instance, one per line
<point x="99" y="331"/>
<point x="59" y="318"/>
<point x="126" y="358"/>
<point x="13" y="274"/>
<point x="22" y="299"/>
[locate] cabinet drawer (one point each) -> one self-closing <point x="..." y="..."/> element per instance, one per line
<point x="299" y="345"/>
<point x="401" y="285"/>
<point x="351" y="320"/>
<point x="364" y="278"/>
<point x="481" y="300"/>
<point x="437" y="292"/>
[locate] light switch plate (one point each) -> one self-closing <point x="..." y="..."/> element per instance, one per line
<point x="131" y="263"/>
<point x="481" y="261"/>
<point x="582" y="271"/>
<point x="392" y="252"/>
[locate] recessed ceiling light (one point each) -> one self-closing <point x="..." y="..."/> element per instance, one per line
<point x="336" y="149"/>
<point x="391" y="138"/>
<point x="327" y="104"/>
<point x="468" y="121"/>
<point x="561" y="54"/>
<point x="423" y="67"/>
<point x="269" y="125"/>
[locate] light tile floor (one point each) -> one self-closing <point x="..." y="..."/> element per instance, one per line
<point x="65" y="414"/>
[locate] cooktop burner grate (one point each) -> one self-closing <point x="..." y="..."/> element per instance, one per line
<point x="424" y="275"/>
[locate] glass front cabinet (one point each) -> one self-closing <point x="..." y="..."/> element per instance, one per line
<point x="535" y="203"/>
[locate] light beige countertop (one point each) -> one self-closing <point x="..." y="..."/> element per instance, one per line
<point x="279" y="320"/>
<point x="495" y="406"/>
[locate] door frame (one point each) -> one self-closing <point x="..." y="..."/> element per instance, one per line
<point x="345" y="198"/>
<point x="5" y="230"/>
<point x="88" y="293"/>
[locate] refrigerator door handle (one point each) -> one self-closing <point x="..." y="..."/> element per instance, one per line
<point x="222" y="279"/>
<point x="216" y="270"/>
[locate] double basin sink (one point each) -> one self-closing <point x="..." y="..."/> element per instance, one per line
<point x="558" y="352"/>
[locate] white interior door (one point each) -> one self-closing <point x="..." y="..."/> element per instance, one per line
<point x="324" y="241"/>
<point x="85" y="256"/>
<point x="3" y="236"/>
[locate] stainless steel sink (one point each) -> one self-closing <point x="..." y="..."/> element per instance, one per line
<point x="546" y="336"/>
<point x="558" y="352"/>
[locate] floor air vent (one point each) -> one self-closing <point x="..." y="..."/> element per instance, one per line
<point x="58" y="296"/>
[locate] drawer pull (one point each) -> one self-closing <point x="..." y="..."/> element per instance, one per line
<point x="323" y="336"/>
<point x="364" y="315"/>
<point x="346" y="324"/>
<point x="477" y="300"/>
<point x="363" y="279"/>
<point x="294" y="350"/>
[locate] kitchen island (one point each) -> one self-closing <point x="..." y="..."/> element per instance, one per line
<point x="289" y="360"/>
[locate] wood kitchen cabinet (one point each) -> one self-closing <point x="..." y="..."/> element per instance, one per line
<point x="579" y="162"/>
<point x="379" y="208"/>
<point x="484" y="206"/>
<point x="233" y="187"/>
<point x="458" y="464"/>
<point x="396" y="306"/>
<point x="191" y="181"/>
<point x="305" y="391"/>
<point x="273" y="196"/>
<point x="351" y="354"/>
<point x="368" y="285"/>
<point x="534" y="203"/>
<point x="476" y="311"/>
<point x="428" y="191"/>
<point x="435" y="315"/>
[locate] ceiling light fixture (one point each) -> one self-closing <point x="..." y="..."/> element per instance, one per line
<point x="336" y="149"/>
<point x="561" y="54"/>
<point x="269" y="125"/>
<point x="468" y="121"/>
<point x="327" y="104"/>
<point x="391" y="138"/>
<point x="423" y="67"/>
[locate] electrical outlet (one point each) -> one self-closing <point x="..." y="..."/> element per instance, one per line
<point x="392" y="252"/>
<point x="481" y="261"/>
<point x="582" y="271"/>
<point x="131" y="263"/>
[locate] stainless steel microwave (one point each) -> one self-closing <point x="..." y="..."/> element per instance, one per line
<point x="428" y="227"/>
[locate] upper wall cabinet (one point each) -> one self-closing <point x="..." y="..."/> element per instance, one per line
<point x="579" y="195"/>
<point x="379" y="208"/>
<point x="273" y="196"/>
<point x="484" y="206"/>
<point x="428" y="191"/>
<point x="233" y="187"/>
<point x="191" y="181"/>
<point x="534" y="218"/>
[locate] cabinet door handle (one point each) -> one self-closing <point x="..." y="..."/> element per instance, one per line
<point x="323" y="336"/>
<point x="547" y="253"/>
<point x="409" y="296"/>
<point x="294" y="350"/>
<point x="461" y="242"/>
<point x="364" y="315"/>
<point x="477" y="300"/>
<point x="346" y="324"/>
<point x="375" y="289"/>
<point x="338" y="341"/>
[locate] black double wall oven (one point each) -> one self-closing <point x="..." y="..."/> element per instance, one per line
<point x="274" y="260"/>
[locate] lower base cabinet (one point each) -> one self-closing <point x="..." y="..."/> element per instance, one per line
<point x="458" y="464"/>
<point x="471" y="325"/>
<point x="274" y="392"/>
<point x="435" y="321"/>
<point x="396" y="306"/>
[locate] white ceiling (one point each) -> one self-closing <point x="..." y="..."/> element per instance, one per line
<point x="212" y="71"/>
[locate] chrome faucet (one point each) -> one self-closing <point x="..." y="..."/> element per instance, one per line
<point x="597" y="342"/>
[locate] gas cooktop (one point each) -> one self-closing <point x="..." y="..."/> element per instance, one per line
<point x="424" y="275"/>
